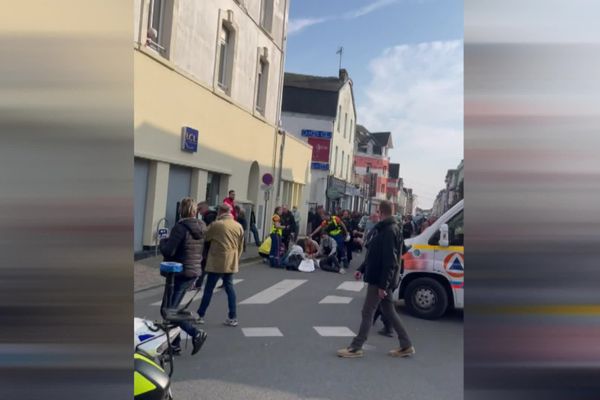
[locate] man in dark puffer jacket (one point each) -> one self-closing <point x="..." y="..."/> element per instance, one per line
<point x="382" y="273"/>
<point x="184" y="246"/>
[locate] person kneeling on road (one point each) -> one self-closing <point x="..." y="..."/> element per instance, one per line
<point x="327" y="256"/>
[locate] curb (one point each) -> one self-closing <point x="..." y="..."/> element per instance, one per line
<point x="247" y="261"/>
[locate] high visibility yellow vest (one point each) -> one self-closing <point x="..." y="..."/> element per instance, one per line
<point x="278" y="231"/>
<point x="337" y="228"/>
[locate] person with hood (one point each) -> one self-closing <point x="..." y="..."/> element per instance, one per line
<point x="184" y="246"/>
<point x="226" y="238"/>
<point x="381" y="272"/>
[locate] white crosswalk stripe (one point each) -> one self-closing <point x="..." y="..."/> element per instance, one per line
<point x="334" y="331"/>
<point x="336" y="300"/>
<point x="274" y="292"/>
<point x="191" y="293"/>
<point x="352" y="286"/>
<point x="262" y="332"/>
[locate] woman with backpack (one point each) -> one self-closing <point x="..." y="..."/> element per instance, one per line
<point x="185" y="245"/>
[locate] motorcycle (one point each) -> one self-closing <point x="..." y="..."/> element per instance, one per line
<point x="153" y="343"/>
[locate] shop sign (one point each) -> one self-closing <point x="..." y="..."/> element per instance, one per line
<point x="189" y="139"/>
<point x="316" y="134"/>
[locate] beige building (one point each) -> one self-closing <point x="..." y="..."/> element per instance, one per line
<point x="207" y="78"/>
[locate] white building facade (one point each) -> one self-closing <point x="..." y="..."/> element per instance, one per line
<point x="321" y="112"/>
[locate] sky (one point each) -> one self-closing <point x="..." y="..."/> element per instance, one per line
<point x="405" y="58"/>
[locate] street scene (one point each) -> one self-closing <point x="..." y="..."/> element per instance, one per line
<point x="298" y="199"/>
<point x="285" y="346"/>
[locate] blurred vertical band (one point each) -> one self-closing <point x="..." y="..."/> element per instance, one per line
<point x="532" y="168"/>
<point x="66" y="146"/>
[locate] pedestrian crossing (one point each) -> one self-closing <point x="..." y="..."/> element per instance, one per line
<point x="274" y="292"/>
<point x="188" y="296"/>
<point x="277" y="291"/>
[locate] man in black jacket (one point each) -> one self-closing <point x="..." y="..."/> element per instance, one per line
<point x="382" y="273"/>
<point x="287" y="220"/>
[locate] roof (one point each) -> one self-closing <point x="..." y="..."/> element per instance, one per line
<point x="394" y="171"/>
<point x="309" y="101"/>
<point x="362" y="134"/>
<point x="383" y="139"/>
<point x="316" y="95"/>
<point x="326" y="83"/>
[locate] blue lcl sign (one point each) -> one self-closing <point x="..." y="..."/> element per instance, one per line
<point x="189" y="139"/>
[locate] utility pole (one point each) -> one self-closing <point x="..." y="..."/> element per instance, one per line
<point x="341" y="53"/>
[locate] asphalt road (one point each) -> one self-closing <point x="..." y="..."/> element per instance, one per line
<point x="301" y="363"/>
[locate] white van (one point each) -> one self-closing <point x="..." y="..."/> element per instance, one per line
<point x="433" y="267"/>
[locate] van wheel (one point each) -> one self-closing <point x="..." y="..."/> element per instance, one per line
<point x="426" y="298"/>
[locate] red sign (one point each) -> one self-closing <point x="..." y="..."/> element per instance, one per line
<point x="320" y="149"/>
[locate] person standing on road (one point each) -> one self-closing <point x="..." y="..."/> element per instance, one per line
<point x="407" y="228"/>
<point x="184" y="246"/>
<point x="289" y="223"/>
<point x="276" y="234"/>
<point x="253" y="228"/>
<point x="208" y="217"/>
<point x="297" y="220"/>
<point x="242" y="221"/>
<point x="230" y="201"/>
<point x="382" y="273"/>
<point x="226" y="238"/>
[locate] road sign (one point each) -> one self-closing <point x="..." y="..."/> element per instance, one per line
<point x="163" y="233"/>
<point x="266" y="188"/>
<point x="267" y="179"/>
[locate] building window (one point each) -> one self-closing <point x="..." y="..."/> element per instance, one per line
<point x="363" y="148"/>
<point x="335" y="161"/>
<point x="224" y="58"/>
<point x="339" y="117"/>
<point x="351" y="130"/>
<point x="262" y="81"/>
<point x="266" y="15"/>
<point x="212" y="188"/>
<point x="345" y="124"/>
<point x="342" y="167"/>
<point x="382" y="188"/>
<point x="348" y="168"/>
<point x="377" y="150"/>
<point x="160" y="17"/>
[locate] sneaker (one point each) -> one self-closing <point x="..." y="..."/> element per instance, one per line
<point x="385" y="332"/>
<point x="198" y="341"/>
<point x="200" y="320"/>
<point x="231" y="322"/>
<point x="407" y="352"/>
<point x="342" y="270"/>
<point x="350" y="352"/>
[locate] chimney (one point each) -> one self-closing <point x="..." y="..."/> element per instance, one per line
<point x="343" y="75"/>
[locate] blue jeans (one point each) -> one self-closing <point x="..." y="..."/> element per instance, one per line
<point x="182" y="285"/>
<point x="211" y="281"/>
<point x="341" y="249"/>
<point x="275" y="253"/>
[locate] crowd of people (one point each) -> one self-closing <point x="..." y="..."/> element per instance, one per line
<point x="209" y="244"/>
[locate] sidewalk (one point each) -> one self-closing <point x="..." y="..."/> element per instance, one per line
<point x="147" y="275"/>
